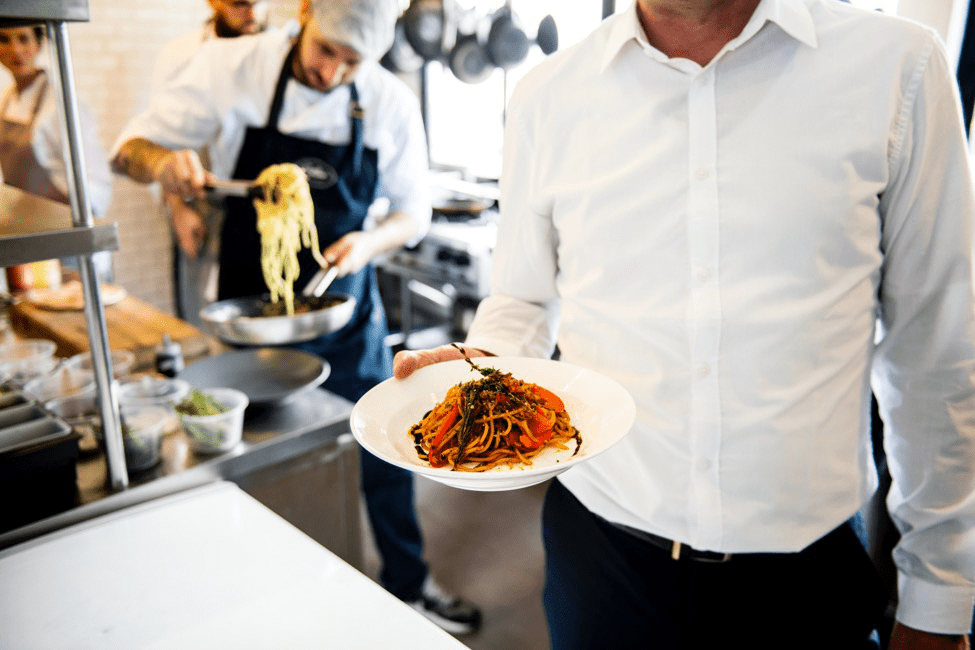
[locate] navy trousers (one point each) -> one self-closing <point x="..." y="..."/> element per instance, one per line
<point x="388" y="494"/>
<point x="607" y="588"/>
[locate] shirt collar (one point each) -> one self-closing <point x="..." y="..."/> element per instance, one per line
<point x="792" y="16"/>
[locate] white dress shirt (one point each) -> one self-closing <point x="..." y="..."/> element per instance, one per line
<point x="228" y="85"/>
<point x="728" y="242"/>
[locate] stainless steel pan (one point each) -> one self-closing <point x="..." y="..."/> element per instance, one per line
<point x="242" y="321"/>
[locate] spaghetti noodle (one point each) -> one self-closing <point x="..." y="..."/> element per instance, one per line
<point x="496" y="420"/>
<point x="286" y="221"/>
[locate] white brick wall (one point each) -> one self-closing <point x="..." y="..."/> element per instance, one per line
<point x="112" y="58"/>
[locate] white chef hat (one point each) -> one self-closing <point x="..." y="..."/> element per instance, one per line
<point x="366" y="26"/>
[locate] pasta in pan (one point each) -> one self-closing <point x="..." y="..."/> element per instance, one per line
<point x="286" y="222"/>
<point x="496" y="420"/>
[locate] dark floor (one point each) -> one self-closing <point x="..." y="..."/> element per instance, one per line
<point x="487" y="547"/>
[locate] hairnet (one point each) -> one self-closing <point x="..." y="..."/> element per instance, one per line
<point x="366" y="26"/>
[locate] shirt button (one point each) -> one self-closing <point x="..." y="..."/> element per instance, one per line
<point x="703" y="370"/>
<point x="704" y="464"/>
<point x="702" y="173"/>
<point x="703" y="275"/>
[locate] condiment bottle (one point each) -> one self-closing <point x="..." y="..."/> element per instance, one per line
<point x="169" y="357"/>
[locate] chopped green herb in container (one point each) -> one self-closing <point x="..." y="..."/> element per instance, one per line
<point x="213" y="418"/>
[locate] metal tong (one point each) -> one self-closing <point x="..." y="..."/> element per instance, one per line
<point x="239" y="188"/>
<point x="320" y="281"/>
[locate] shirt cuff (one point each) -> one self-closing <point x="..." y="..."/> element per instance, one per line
<point x="939" y="609"/>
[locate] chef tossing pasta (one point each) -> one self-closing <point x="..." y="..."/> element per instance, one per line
<point x="286" y="222"/>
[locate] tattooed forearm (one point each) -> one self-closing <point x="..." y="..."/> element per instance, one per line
<point x="138" y="159"/>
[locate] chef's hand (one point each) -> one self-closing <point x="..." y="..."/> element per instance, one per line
<point x="406" y="362"/>
<point x="181" y="173"/>
<point x="907" y="638"/>
<point x="351" y="252"/>
<point x="188" y="226"/>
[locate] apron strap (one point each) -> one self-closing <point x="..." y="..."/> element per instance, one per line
<point x="356" y="113"/>
<point x="6" y="100"/>
<point x="278" y="101"/>
<point x="40" y="98"/>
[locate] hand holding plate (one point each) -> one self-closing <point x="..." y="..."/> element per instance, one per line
<point x="406" y="362"/>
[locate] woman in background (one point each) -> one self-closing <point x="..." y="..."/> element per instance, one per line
<point x="31" y="150"/>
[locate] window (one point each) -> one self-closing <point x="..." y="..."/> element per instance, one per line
<point x="465" y="121"/>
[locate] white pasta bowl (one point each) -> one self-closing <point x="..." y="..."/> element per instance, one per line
<point x="601" y="409"/>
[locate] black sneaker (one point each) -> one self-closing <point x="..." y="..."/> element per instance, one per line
<point x="451" y="613"/>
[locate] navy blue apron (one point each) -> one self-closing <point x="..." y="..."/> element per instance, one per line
<point x="357" y="353"/>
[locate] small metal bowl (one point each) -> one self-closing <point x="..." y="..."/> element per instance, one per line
<point x="241" y="321"/>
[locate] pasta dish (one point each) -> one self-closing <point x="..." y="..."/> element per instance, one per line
<point x="495" y="420"/>
<point x="286" y="222"/>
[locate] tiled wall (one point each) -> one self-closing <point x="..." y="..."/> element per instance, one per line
<point x="112" y="57"/>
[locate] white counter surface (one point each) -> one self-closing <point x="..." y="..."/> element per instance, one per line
<point x="208" y="568"/>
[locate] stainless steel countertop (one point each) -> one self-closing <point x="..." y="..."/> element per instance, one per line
<point x="272" y="434"/>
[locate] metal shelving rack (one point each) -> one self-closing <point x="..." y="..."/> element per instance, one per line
<point x="20" y="244"/>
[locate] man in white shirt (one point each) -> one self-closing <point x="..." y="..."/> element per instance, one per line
<point x="194" y="253"/>
<point x="319" y="100"/>
<point x="747" y="212"/>
<point x="230" y="19"/>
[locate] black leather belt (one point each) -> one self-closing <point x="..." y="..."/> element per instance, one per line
<point x="677" y="550"/>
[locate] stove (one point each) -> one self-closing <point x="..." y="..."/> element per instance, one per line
<point x="457" y="253"/>
<point x="443" y="277"/>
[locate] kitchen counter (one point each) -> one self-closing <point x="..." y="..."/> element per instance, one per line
<point x="298" y="458"/>
<point x="204" y="568"/>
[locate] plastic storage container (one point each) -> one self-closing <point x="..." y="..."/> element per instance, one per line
<point x="82" y="414"/>
<point x="142" y="435"/>
<point x="122" y="362"/>
<point x="153" y="391"/>
<point x="23" y="361"/>
<point x="210" y="434"/>
<point x="62" y="382"/>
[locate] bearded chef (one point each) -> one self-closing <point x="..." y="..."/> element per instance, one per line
<point x="322" y="101"/>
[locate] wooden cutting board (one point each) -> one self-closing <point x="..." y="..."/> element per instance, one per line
<point x="132" y="325"/>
